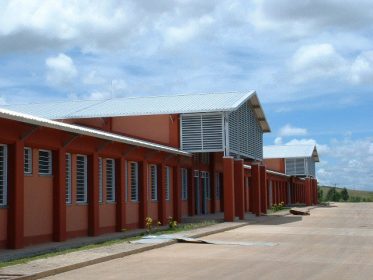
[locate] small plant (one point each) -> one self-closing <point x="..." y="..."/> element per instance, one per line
<point x="148" y="224"/>
<point x="171" y="223"/>
<point x="278" y="207"/>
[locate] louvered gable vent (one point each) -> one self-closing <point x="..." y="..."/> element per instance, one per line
<point x="202" y="132"/>
<point x="245" y="133"/>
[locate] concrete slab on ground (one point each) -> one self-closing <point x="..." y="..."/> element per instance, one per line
<point x="334" y="242"/>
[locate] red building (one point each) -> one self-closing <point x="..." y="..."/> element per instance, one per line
<point x="80" y="168"/>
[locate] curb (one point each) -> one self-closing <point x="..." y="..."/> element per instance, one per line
<point x="59" y="270"/>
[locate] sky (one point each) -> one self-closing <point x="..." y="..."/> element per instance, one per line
<point x="311" y="63"/>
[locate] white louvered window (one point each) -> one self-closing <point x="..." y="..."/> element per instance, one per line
<point x="153" y="181"/>
<point x="81" y="179"/>
<point x="184" y="184"/>
<point x="100" y="181"/>
<point x="3" y="175"/>
<point x="168" y="182"/>
<point x="110" y="180"/>
<point x="68" y="177"/>
<point x="295" y="166"/>
<point x="134" y="182"/>
<point x="202" y="132"/>
<point x="28" y="161"/>
<point x="45" y="162"/>
<point x="217" y="185"/>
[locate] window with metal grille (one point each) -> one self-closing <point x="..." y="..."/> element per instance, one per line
<point x="81" y="178"/>
<point x="153" y="181"/>
<point x="28" y="161"/>
<point x="100" y="181"/>
<point x="134" y="184"/>
<point x="184" y="184"/>
<point x="45" y="162"/>
<point x="110" y="180"/>
<point x="68" y="177"/>
<point x="217" y="185"/>
<point x="3" y="175"/>
<point x="168" y="182"/>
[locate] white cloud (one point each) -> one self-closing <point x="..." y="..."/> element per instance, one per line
<point x="175" y="35"/>
<point x="300" y="18"/>
<point x="316" y="61"/>
<point x="289" y="130"/>
<point x="60" y="70"/>
<point x="362" y="69"/>
<point x="278" y="141"/>
<point x="3" y="101"/>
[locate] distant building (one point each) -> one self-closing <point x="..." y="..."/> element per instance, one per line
<point x="293" y="160"/>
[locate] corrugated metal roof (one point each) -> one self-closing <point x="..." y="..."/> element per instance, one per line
<point x="146" y="105"/>
<point x="290" y="151"/>
<point x="26" y="118"/>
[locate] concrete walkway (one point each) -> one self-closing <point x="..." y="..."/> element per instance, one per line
<point x="334" y="242"/>
<point x="69" y="261"/>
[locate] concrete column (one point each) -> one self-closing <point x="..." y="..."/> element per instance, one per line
<point x="59" y="195"/>
<point x="255" y="179"/>
<point x="143" y="192"/>
<point x="212" y="171"/>
<point x="16" y="195"/>
<point x="191" y="194"/>
<point x="120" y="179"/>
<point x="93" y="195"/>
<point x="161" y="177"/>
<point x="177" y="193"/>
<point x="239" y="191"/>
<point x="228" y="187"/>
<point x="263" y="189"/>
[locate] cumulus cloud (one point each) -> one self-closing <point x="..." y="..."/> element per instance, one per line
<point x="289" y="130"/>
<point x="60" y="70"/>
<point x="316" y="61"/>
<point x="350" y="164"/>
<point x="362" y="68"/>
<point x="302" y="17"/>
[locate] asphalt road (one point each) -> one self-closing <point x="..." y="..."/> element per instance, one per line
<point x="331" y="243"/>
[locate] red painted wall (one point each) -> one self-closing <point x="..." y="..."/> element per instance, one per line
<point x="275" y="164"/>
<point x="38" y="205"/>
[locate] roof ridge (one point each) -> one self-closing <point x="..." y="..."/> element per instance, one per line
<point x="126" y="97"/>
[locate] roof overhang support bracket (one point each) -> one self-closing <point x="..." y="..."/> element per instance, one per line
<point x="27" y="134"/>
<point x="71" y="140"/>
<point x="130" y="149"/>
<point x="103" y="145"/>
<point x="149" y="155"/>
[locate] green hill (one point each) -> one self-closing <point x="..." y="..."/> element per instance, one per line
<point x="355" y="195"/>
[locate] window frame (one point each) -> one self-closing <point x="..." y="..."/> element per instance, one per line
<point x="112" y="187"/>
<point x="27" y="150"/>
<point x="134" y="180"/>
<point x="153" y="182"/>
<point x="85" y="180"/>
<point x="100" y="180"/>
<point x="4" y="190"/>
<point x="50" y="171"/>
<point x="168" y="183"/>
<point x="68" y="178"/>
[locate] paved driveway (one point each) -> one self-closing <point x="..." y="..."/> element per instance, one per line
<point x="332" y="243"/>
